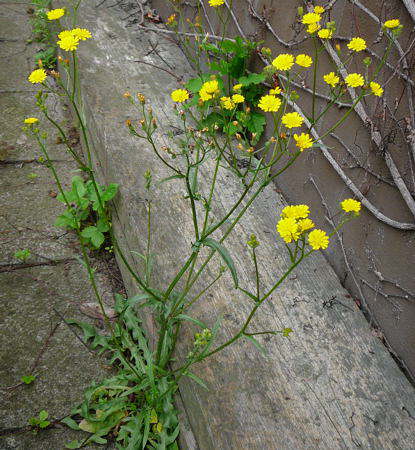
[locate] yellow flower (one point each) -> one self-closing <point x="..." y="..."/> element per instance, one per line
<point x="227" y="103"/>
<point x="357" y="44"/>
<point x="303" y="141"/>
<point x="171" y="19"/>
<point x="288" y="229"/>
<point x="325" y="33"/>
<point x="318" y="9"/>
<point x="65" y="33"/>
<point x="237" y="87"/>
<point x="238" y="98"/>
<point x="81" y="33"/>
<point x="354" y="80"/>
<point x="304" y="60"/>
<point x="37" y="76"/>
<point x="305" y="224"/>
<point x="313" y="27"/>
<point x="318" y="239"/>
<point x="292" y="120"/>
<point x="393" y="23"/>
<point x="216" y="3"/>
<point x="269" y="103"/>
<point x="209" y="90"/>
<point x="376" y="89"/>
<point x="69" y="43"/>
<point x="275" y="91"/>
<point x="55" y="14"/>
<point x="351" y="205"/>
<point x="179" y="95"/>
<point x="331" y="79"/>
<point x="31" y="120"/>
<point x="283" y="62"/>
<point x="295" y="212"/>
<point x="310" y="18"/>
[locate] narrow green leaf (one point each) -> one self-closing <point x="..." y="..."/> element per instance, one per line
<point x="212" y="243"/>
<point x="70" y="423"/>
<point x="191" y="319"/>
<point x="260" y="347"/>
<point x="173" y="177"/>
<point x="197" y="379"/>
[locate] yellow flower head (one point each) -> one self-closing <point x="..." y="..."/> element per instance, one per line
<point x="288" y="229"/>
<point x="31" y="120"/>
<point x="305" y="224"/>
<point x="376" y="89"/>
<point x="357" y="44"/>
<point x="318" y="9"/>
<point x="275" y="91"/>
<point x="296" y="212"/>
<point x="209" y="90"/>
<point x="227" y="103"/>
<point x="303" y="141"/>
<point x="331" y="78"/>
<point x="283" y="62"/>
<point x="318" y="239"/>
<point x="69" y="43"/>
<point x="292" y="120"/>
<point x="81" y="33"/>
<point x="216" y="3"/>
<point x="37" y="76"/>
<point x="179" y="95"/>
<point x="269" y="103"/>
<point x="65" y="33"/>
<point x="313" y="27"/>
<point x="171" y="19"/>
<point x="393" y="23"/>
<point x="351" y="205"/>
<point x="354" y="80"/>
<point x="237" y="87"/>
<point x="325" y="33"/>
<point x="310" y="18"/>
<point x="304" y="60"/>
<point x="238" y="98"/>
<point x="55" y="14"/>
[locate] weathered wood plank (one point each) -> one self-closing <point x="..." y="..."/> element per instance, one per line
<point x="332" y="384"/>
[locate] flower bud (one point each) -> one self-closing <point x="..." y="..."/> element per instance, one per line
<point x="141" y="98"/>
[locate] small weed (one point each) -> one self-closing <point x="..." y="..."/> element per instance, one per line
<point x="28" y="379"/>
<point x="40" y="422"/>
<point x="22" y="255"/>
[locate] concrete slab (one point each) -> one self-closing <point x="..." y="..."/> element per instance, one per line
<point x="29" y="209"/>
<point x="31" y="331"/>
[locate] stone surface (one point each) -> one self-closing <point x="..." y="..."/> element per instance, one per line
<point x="332" y="384"/>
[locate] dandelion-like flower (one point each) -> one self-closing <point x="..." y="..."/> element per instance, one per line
<point x="310" y="18"/>
<point x="313" y="27"/>
<point x="275" y="91"/>
<point x="354" y="80"/>
<point x="209" y="90"/>
<point x="303" y="141"/>
<point x="304" y="60"/>
<point x="227" y="103"/>
<point x="292" y="120"/>
<point x="171" y="19"/>
<point x="351" y="205"/>
<point x="216" y="3"/>
<point x="296" y="211"/>
<point x="37" y="76"/>
<point x="55" y="14"/>
<point x="331" y="79"/>
<point x="237" y="87"/>
<point x="305" y="224"/>
<point x="69" y="43"/>
<point x="318" y="9"/>
<point x="81" y="33"/>
<point x="318" y="239"/>
<point x="283" y="62"/>
<point x="392" y="23"/>
<point x="376" y="89"/>
<point x="269" y="103"/>
<point x="31" y="120"/>
<point x="325" y="33"/>
<point x="179" y="95"/>
<point x="357" y="44"/>
<point x="238" y="98"/>
<point x="288" y="229"/>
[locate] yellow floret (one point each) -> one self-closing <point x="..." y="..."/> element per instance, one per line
<point x="269" y="103"/>
<point x="69" y="43"/>
<point x="292" y="120"/>
<point x="31" y="120"/>
<point x="238" y="98"/>
<point x="354" y="80"/>
<point x="310" y="18"/>
<point x="227" y="103"/>
<point x="55" y="14"/>
<point x="179" y="95"/>
<point x="216" y="3"/>
<point x="283" y="62"/>
<point x="318" y="239"/>
<point x="331" y="78"/>
<point x="351" y="205"/>
<point x="304" y="60"/>
<point x="357" y="44"/>
<point x="325" y="33"/>
<point x="303" y="141"/>
<point x="376" y="89"/>
<point x="392" y="23"/>
<point x="288" y="229"/>
<point x="37" y="76"/>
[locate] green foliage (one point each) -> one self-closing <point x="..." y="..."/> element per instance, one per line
<point x="135" y="406"/>
<point x="22" y="255"/>
<point x="40" y="422"/>
<point x="28" y="379"/>
<point x="84" y="203"/>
